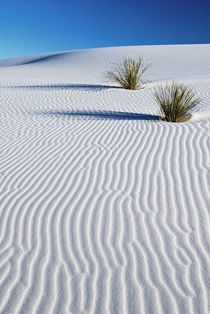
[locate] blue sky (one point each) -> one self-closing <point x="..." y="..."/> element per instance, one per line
<point x="30" y="27"/>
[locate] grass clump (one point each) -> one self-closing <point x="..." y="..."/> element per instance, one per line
<point x="175" y="101"/>
<point x="128" y="74"/>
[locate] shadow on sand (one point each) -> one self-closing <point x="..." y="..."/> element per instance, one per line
<point x="87" y="87"/>
<point x="109" y="115"/>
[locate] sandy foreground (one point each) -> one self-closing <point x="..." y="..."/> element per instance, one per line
<point x="103" y="208"/>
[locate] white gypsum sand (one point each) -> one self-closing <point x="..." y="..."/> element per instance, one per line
<point x="103" y="208"/>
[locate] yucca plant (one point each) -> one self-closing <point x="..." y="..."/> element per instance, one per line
<point x="128" y="74"/>
<point x="175" y="102"/>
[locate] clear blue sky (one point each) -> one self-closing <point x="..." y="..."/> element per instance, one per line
<point x="36" y="26"/>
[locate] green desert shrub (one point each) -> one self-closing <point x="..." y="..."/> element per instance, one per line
<point x="175" y="101"/>
<point x="128" y="74"/>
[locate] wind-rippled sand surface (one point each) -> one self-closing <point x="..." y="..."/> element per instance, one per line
<point x="103" y="208"/>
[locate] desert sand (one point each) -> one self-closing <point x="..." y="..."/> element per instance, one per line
<point x="103" y="208"/>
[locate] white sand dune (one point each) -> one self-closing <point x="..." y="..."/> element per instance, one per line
<point x="103" y="208"/>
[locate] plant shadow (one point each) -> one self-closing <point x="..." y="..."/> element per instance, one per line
<point x="108" y="115"/>
<point x="86" y="87"/>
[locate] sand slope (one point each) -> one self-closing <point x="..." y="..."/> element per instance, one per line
<point x="103" y="208"/>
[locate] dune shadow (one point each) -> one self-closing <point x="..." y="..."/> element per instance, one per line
<point x="109" y="115"/>
<point x="40" y="59"/>
<point x="34" y="59"/>
<point x="87" y="87"/>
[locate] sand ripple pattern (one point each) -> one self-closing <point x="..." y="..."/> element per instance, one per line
<point x="101" y="210"/>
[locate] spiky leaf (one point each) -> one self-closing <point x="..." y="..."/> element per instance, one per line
<point x="175" y="102"/>
<point x="128" y="74"/>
